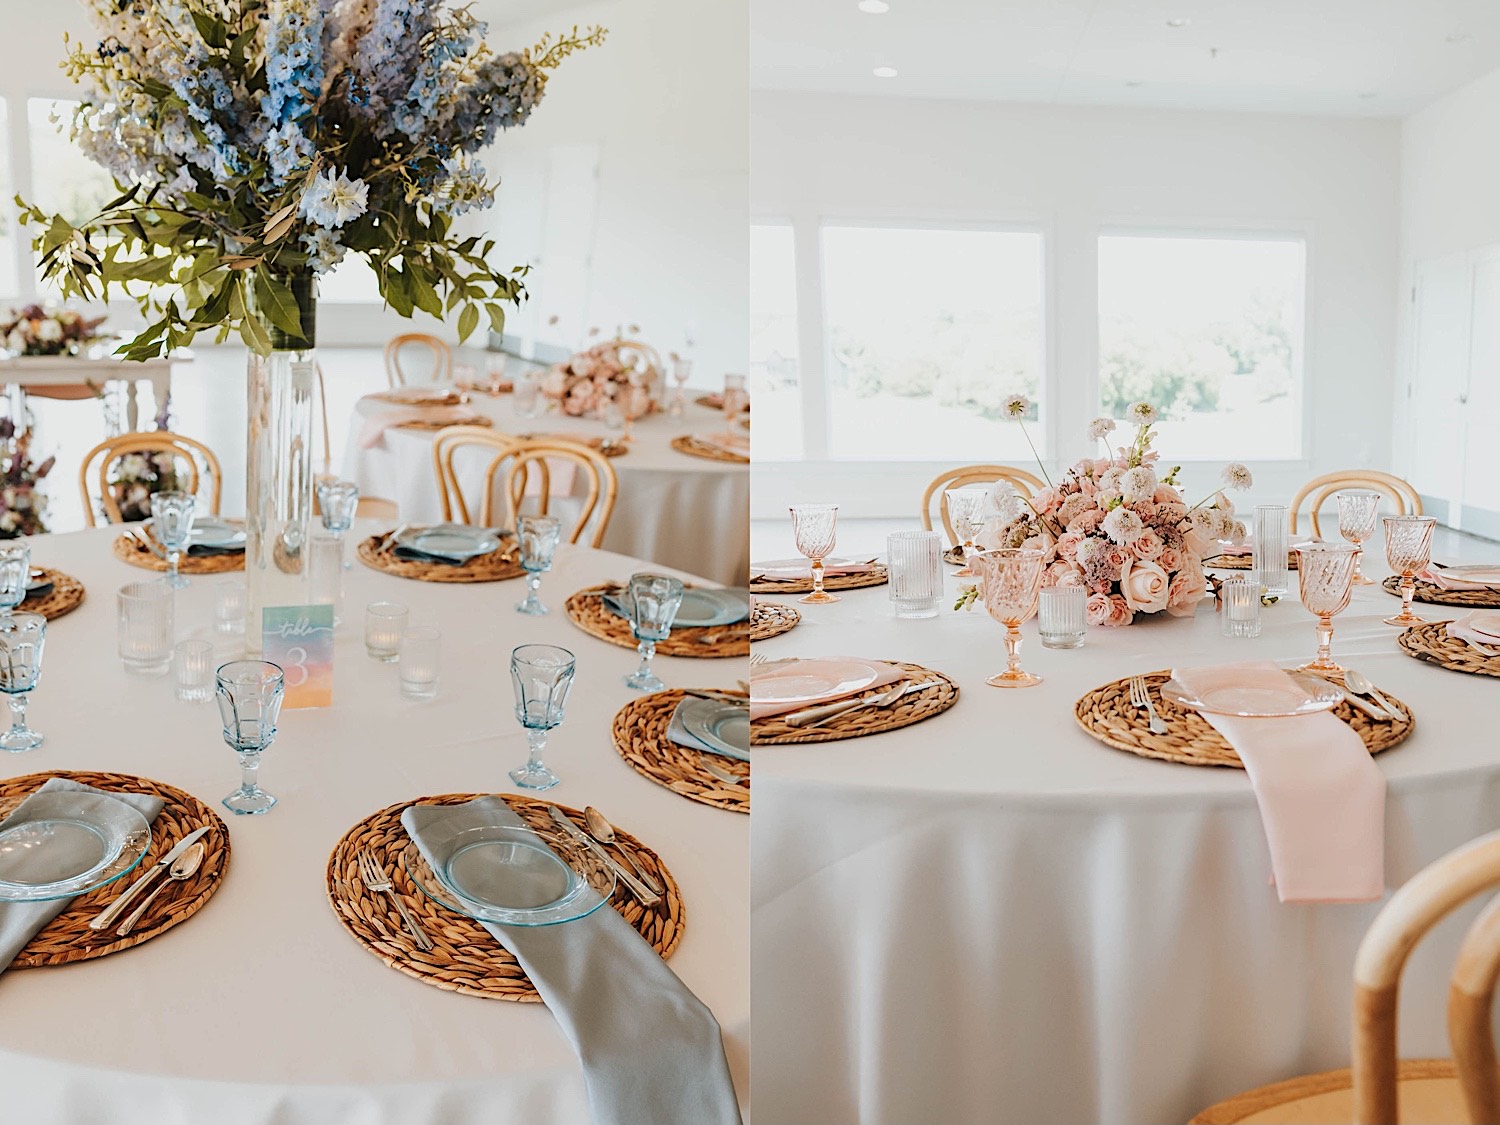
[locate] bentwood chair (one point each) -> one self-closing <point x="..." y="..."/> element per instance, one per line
<point x="441" y="370"/>
<point x="454" y="441"/>
<point x="1466" y="1088"/>
<point x="1025" y="483"/>
<point x="195" y="459"/>
<point x="1317" y="492"/>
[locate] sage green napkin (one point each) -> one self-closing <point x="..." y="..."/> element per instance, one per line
<point x="21" y="921"/>
<point x="651" y="1051"/>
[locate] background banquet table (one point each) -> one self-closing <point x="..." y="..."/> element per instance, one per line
<point x="674" y="508"/>
<point x="991" y="917"/>
<point x="261" y="1008"/>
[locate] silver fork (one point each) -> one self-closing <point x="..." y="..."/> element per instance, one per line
<point x="1140" y="695"/>
<point x="378" y="881"/>
<point x="720" y="774"/>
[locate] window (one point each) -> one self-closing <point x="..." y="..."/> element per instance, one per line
<point x="62" y="178"/>
<point x="1209" y="330"/>
<point x="351" y="281"/>
<point x="927" y="333"/>
<point x="775" y="384"/>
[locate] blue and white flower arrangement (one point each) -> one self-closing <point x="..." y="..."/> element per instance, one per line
<point x="257" y="142"/>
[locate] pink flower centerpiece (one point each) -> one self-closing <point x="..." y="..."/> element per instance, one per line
<point x="616" y="371"/>
<point x="38" y="331"/>
<point x="1115" y="527"/>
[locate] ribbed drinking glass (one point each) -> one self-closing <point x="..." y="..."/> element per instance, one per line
<point x="966" y="514"/>
<point x="1272" y="546"/>
<point x="915" y="562"/>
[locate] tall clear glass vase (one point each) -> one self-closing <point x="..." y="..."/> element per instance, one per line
<point x="279" y="466"/>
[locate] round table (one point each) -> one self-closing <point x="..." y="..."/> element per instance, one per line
<point x="261" y="1008"/>
<point x="674" y="509"/>
<point x="992" y="917"/>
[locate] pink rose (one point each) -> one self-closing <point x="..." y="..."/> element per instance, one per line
<point x="1166" y="494"/>
<point x="1147" y="545"/>
<point x="1067" y="546"/>
<point x="1088" y="521"/>
<point x="1144" y="586"/>
<point x="1097" y="609"/>
<point x="1170" y="560"/>
<point x="1108" y="610"/>
<point x="1186" y="592"/>
<point x="1118" y="557"/>
<point x="1196" y="541"/>
<point x="1059" y="574"/>
<point x="1101" y="465"/>
<point x="1047" y="501"/>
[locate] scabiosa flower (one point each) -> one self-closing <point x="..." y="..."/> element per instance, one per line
<point x="333" y="199"/>
<point x="1141" y="413"/>
<point x="1122" y="525"/>
<point x="1016" y="406"/>
<point x="1138" y="484"/>
<point x="1099" y="428"/>
<point x="1236" y="475"/>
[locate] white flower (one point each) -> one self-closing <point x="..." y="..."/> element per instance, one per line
<point x="1016" y="406"/>
<point x="49" y="331"/>
<point x="1109" y="480"/>
<point x="1003" y="502"/>
<point x="1238" y="532"/>
<point x="1122" y="525"/>
<point x="1099" y="427"/>
<point x="1138" y="484"/>
<point x="334" y="199"/>
<point x="1223" y="524"/>
<point x="1141" y="413"/>
<point x="1236" y="475"/>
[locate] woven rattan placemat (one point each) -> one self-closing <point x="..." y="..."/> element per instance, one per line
<point x="608" y="446"/>
<point x="1243" y="562"/>
<point x="130" y="549"/>
<point x="640" y="733"/>
<point x="67" y="938"/>
<point x="587" y="610"/>
<point x="1436" y="595"/>
<point x="715" y="401"/>
<point x="687" y="443"/>
<point x="1108" y="715"/>
<point x="496" y="567"/>
<point x="910" y="709"/>
<point x="65" y="596"/>
<point x="877" y="575"/>
<point x="424" y="424"/>
<point x="1432" y="643"/>
<point x="465" y="957"/>
<point x="769" y="619"/>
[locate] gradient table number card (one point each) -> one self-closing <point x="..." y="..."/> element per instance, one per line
<point x="299" y="640"/>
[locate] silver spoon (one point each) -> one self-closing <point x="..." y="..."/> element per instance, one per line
<point x="1360" y="685"/>
<point x="603" y="831"/>
<point x="184" y="867"/>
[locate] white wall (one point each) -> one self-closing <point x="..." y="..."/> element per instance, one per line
<point x="1075" y="170"/>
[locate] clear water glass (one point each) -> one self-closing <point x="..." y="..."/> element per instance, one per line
<point x="249" y="693"/>
<point x="1408" y="550"/>
<point x="1239" y="602"/>
<point x="22" y="637"/>
<point x="1325" y="573"/>
<point x="736" y="398"/>
<point x="815" y="530"/>
<point x="420" y="647"/>
<point x="1009" y="581"/>
<point x="172" y="524"/>
<point x="193" y="662"/>
<point x="542" y="676"/>
<point x="682" y="371"/>
<point x="966" y="514"/>
<point x="1061" y="616"/>
<point x="539" y="537"/>
<point x="1272" y="548"/>
<point x="325" y="572"/>
<point x="653" y="600"/>
<point x="526" y="396"/>
<point x="15" y="574"/>
<point x="385" y="622"/>
<point x="146" y="626"/>
<point x="338" y="500"/>
<point x="915" y="561"/>
<point x="1358" y="510"/>
<point x="229" y="605"/>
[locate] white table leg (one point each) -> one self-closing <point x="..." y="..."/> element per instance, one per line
<point x="161" y="385"/>
<point x="132" y="411"/>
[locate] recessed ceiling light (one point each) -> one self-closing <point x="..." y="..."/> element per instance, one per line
<point x="874" y="7"/>
<point x="1459" y="37"/>
<point x="885" y="72"/>
<point x="1178" y="21"/>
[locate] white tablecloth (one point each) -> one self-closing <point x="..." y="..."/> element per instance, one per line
<point x="261" y="1009"/>
<point x="673" y="509"/>
<point x="991" y="917"/>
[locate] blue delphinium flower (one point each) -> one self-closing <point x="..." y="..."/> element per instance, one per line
<point x="294" y="78"/>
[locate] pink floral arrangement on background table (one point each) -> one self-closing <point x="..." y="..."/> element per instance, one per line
<point x="1117" y="527"/>
<point x="625" y="373"/>
<point x="23" y="505"/>
<point x="35" y="330"/>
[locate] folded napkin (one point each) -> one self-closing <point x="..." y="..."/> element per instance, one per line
<point x="375" y="426"/>
<point x="1482" y="627"/>
<point x="203" y="550"/>
<point x="736" y="444"/>
<point x="792" y="570"/>
<point x="889" y="674"/>
<point x="22" y="921"/>
<point x="680" y="735"/>
<point x="651" y="1051"/>
<point x="1440" y="578"/>
<point x="1321" y="796"/>
<point x="420" y="396"/>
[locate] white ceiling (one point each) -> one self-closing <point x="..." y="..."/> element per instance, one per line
<point x="1363" y="57"/>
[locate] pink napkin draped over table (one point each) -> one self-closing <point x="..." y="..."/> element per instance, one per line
<point x="1440" y="578"/>
<point x="889" y="674"/>
<point x="1321" y="796"/>
<point x="1481" y="627"/>
<point x="789" y="570"/>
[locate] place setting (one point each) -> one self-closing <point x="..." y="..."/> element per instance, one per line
<point x="658" y="614"/>
<point x="445" y="552"/>
<point x="1419" y="578"/>
<point x="178" y="540"/>
<point x="815" y="531"/>
<point x="828" y="699"/>
<point x="731" y="444"/>
<point x="771" y="619"/>
<point x="1470" y="644"/>
<point x="35" y="589"/>
<point x="692" y="741"/>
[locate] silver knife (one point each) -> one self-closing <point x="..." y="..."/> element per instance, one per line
<point x="1364" y="705"/>
<point x="647" y="896"/>
<point x="823" y="711"/>
<point x="107" y="916"/>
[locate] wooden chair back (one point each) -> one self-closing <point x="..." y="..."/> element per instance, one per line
<point x="1027" y="484"/>
<point x="445" y="446"/>
<point x="539" y="456"/>
<point x="1420" y="904"/>
<point x="1319" y="491"/>
<point x="442" y="357"/>
<point x="198" y="458"/>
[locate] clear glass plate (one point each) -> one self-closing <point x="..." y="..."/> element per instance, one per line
<point x="699" y="607"/>
<point x="723" y="726"/>
<point x="210" y="531"/>
<point x="812" y="681"/>
<point x="66" y="843"/>
<point x="455" y="541"/>
<point x="513" y="876"/>
<point x="1304" y="695"/>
